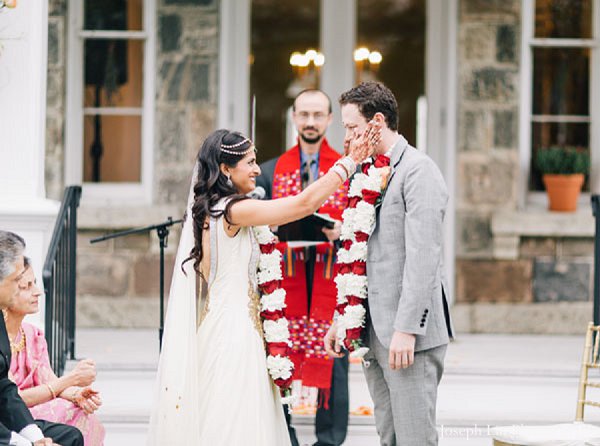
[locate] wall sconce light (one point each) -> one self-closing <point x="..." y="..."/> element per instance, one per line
<point x="367" y="63"/>
<point x="300" y="60"/>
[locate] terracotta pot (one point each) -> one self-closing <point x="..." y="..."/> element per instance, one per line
<point x="563" y="191"/>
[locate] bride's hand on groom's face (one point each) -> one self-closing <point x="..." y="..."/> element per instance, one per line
<point x="402" y="350"/>
<point x="363" y="145"/>
<point x="332" y="347"/>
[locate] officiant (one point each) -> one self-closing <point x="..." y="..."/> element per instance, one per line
<point x="309" y="249"/>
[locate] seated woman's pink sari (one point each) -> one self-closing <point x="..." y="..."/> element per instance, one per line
<point x="31" y="367"/>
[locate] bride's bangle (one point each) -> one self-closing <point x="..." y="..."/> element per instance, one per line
<point x="348" y="164"/>
<point x="340" y="171"/>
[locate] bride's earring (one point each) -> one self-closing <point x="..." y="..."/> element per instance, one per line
<point x="229" y="182"/>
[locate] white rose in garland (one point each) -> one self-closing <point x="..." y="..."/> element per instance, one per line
<point x="272" y="304"/>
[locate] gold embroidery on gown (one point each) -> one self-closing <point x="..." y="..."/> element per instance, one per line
<point x="202" y="300"/>
<point x="254" y="308"/>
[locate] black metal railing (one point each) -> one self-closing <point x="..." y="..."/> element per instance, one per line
<point x="59" y="282"/>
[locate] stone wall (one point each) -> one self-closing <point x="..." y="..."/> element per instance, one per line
<point x="544" y="284"/>
<point x="55" y="98"/>
<point x="488" y="98"/>
<point x="118" y="280"/>
<point x="186" y="94"/>
<point x="548" y="289"/>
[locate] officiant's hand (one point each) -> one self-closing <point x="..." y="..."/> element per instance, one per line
<point x="402" y="350"/>
<point x="333" y="234"/>
<point x="332" y="346"/>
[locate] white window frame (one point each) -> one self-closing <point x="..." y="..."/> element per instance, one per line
<point x="109" y="193"/>
<point x="529" y="198"/>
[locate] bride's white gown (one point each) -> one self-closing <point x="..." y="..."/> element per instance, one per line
<point x="238" y="402"/>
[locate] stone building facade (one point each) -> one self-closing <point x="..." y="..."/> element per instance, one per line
<point x="518" y="268"/>
<point x="117" y="280"/>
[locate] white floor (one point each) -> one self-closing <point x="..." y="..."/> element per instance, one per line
<point x="489" y="380"/>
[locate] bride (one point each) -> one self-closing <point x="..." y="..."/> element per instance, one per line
<point x="213" y="383"/>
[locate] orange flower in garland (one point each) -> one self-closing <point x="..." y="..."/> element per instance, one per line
<point x="8" y="4"/>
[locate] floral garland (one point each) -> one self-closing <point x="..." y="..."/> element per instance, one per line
<point x="358" y="221"/>
<point x="272" y="303"/>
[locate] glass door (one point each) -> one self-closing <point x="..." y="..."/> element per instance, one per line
<point x="282" y="33"/>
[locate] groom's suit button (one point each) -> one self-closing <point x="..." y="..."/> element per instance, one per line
<point x="422" y="324"/>
<point x="426" y="311"/>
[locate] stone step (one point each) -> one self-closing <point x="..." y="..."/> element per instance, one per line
<point x="467" y="406"/>
<point x="489" y="380"/>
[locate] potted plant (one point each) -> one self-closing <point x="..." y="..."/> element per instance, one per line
<point x="563" y="172"/>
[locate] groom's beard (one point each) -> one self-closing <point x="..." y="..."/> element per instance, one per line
<point x="308" y="139"/>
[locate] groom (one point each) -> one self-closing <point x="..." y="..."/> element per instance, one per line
<point x="408" y="325"/>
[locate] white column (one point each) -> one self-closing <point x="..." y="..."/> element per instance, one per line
<point x="338" y="38"/>
<point x="24" y="208"/>
<point x="440" y="90"/>
<point x="234" y="68"/>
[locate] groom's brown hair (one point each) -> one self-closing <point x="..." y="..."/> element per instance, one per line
<point x="373" y="97"/>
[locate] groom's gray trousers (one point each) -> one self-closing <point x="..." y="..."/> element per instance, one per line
<point x="405" y="399"/>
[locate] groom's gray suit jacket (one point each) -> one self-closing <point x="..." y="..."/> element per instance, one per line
<point x="407" y="286"/>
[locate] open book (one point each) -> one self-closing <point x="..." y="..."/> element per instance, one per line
<point x="306" y="229"/>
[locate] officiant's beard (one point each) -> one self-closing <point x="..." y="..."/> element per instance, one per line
<point x="309" y="140"/>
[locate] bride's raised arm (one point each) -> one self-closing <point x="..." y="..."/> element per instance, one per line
<point x="284" y="210"/>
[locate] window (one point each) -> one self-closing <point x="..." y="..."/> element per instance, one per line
<point x="560" y="39"/>
<point x="109" y="115"/>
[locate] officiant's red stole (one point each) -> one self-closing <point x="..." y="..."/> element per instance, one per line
<point x="287" y="178"/>
<point x="312" y="365"/>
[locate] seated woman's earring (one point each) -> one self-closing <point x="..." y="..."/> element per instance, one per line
<point x="229" y="182"/>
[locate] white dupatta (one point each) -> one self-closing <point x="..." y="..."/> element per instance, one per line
<point x="174" y="414"/>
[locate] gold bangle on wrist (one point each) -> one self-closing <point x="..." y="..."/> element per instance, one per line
<point x="52" y="392"/>
<point x="349" y="164"/>
<point x="343" y="167"/>
<point x="340" y="171"/>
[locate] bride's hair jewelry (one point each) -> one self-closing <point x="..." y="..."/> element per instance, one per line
<point x="226" y="147"/>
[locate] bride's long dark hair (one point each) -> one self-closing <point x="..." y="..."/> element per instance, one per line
<point x="212" y="185"/>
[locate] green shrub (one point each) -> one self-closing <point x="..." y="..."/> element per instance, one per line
<point x="562" y="161"/>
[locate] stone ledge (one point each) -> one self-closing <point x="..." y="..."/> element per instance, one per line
<point x="563" y="318"/>
<point x="508" y="226"/>
<point x="111" y="217"/>
<point x="112" y="312"/>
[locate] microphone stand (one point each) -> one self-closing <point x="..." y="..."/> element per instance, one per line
<point x="162" y="230"/>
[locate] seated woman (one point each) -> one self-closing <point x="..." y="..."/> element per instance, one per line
<point x="68" y="399"/>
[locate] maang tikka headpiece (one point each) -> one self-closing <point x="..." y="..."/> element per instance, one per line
<point x="225" y="147"/>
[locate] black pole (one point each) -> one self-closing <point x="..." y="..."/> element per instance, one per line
<point x="163" y="234"/>
<point x="596" y="212"/>
<point x="162" y="231"/>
